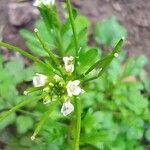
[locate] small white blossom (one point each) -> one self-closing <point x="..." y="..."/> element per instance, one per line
<point x="67" y="108"/>
<point x="39" y="80"/>
<point x="68" y="64"/>
<point x="38" y="3"/>
<point x="73" y="88"/>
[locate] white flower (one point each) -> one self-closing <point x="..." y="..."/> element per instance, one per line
<point x="39" y="80"/>
<point x="68" y="64"/>
<point x="73" y="88"/>
<point x="38" y="3"/>
<point x="67" y="108"/>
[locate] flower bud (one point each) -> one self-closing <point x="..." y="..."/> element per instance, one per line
<point x="68" y="64"/>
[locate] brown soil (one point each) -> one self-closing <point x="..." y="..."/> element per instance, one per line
<point x="133" y="14"/>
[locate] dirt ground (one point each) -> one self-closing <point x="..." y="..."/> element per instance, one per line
<point x="133" y="14"/>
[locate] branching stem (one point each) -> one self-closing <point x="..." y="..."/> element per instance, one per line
<point x="77" y="101"/>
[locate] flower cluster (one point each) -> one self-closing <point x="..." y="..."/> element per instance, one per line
<point x="56" y="88"/>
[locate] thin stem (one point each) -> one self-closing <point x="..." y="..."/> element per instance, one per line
<point x="44" y="119"/>
<point x="78" y="124"/>
<point x="32" y="89"/>
<point x="26" y="112"/>
<point x="51" y="55"/>
<point x="20" y="105"/>
<point x="77" y="101"/>
<point x="24" y="53"/>
<point x="73" y="30"/>
<point x="90" y="79"/>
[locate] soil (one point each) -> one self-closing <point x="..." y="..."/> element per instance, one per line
<point x="133" y="14"/>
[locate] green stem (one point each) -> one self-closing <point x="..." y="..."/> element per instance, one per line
<point x="73" y="30"/>
<point x="24" y="53"/>
<point x="32" y="89"/>
<point x="51" y="55"/>
<point x="46" y="49"/>
<point x="44" y="119"/>
<point x="78" y="124"/>
<point x="77" y="101"/>
<point x="20" y="105"/>
<point x="26" y="112"/>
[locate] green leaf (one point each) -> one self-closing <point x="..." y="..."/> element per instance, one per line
<point x="86" y="58"/>
<point x="81" y="24"/>
<point x="20" y="105"/>
<point x="104" y="63"/>
<point x="23" y="124"/>
<point x="32" y="42"/>
<point x="44" y="118"/>
<point x="26" y="54"/>
<point x="109" y="31"/>
<point x="134" y="65"/>
<point x="7" y="121"/>
<point x="147" y="134"/>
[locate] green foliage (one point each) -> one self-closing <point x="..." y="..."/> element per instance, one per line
<point x="12" y="73"/>
<point x="116" y="108"/>
<point x="23" y="124"/>
<point x="115" y="114"/>
<point x="66" y="33"/>
<point x="33" y="44"/>
<point x="109" y="31"/>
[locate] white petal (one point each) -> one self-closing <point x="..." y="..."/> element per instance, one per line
<point x="69" y="68"/>
<point x="67" y="108"/>
<point x="69" y="84"/>
<point x="39" y="80"/>
<point x="65" y="60"/>
<point x="73" y="88"/>
<point x="69" y="92"/>
<point x="76" y="91"/>
<point x="76" y="82"/>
